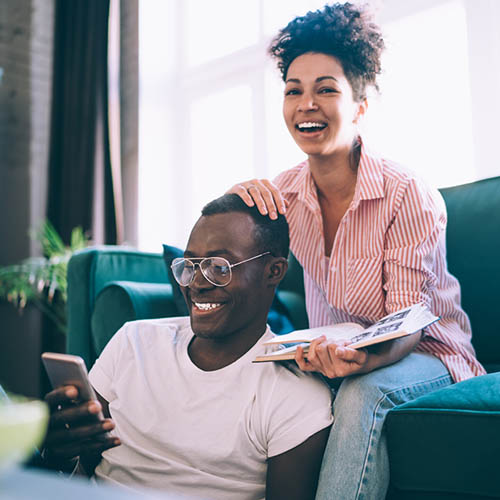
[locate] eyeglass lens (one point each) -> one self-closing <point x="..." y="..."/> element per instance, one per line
<point x="217" y="270"/>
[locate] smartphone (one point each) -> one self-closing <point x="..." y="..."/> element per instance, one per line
<point x="67" y="369"/>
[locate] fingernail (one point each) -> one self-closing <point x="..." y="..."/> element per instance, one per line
<point x="116" y="441"/>
<point x="339" y="351"/>
<point x="94" y="408"/>
<point x="107" y="426"/>
<point x="274" y="215"/>
<point x="71" y="392"/>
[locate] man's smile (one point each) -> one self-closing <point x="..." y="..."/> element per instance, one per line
<point x="207" y="306"/>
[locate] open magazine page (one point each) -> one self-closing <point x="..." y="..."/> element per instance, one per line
<point x="340" y="331"/>
<point x="404" y="322"/>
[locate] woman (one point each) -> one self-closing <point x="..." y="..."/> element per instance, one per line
<point x="371" y="239"/>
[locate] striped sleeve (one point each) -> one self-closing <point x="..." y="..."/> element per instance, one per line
<point x="414" y="241"/>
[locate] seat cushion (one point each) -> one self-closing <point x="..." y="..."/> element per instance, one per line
<point x="448" y="442"/>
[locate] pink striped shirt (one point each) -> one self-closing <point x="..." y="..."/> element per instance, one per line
<point x="389" y="252"/>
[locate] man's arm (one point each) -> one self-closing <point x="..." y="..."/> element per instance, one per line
<point x="294" y="474"/>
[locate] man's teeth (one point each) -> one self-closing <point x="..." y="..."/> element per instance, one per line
<point x="311" y="125"/>
<point x="207" y="306"/>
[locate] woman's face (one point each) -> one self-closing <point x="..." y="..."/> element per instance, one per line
<point x="318" y="107"/>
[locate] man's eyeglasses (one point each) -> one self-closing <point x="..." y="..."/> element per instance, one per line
<point x="216" y="270"/>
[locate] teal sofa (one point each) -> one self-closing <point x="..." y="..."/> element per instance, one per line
<point x="442" y="445"/>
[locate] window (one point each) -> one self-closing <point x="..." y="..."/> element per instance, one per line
<point x="210" y="99"/>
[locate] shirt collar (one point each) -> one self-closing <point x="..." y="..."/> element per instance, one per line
<point x="370" y="182"/>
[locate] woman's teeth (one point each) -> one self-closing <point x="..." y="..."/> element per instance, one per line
<point x="309" y="126"/>
<point x="206" y="306"/>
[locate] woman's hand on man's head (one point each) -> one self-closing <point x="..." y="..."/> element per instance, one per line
<point x="262" y="193"/>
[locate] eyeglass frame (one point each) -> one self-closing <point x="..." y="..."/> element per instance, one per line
<point x="202" y="259"/>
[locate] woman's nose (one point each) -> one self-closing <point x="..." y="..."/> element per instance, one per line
<point x="307" y="102"/>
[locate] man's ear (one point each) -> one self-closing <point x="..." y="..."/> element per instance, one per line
<point x="276" y="270"/>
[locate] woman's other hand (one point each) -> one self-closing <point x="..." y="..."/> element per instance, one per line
<point x="332" y="359"/>
<point x="264" y="194"/>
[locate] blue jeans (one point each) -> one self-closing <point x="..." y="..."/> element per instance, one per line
<point x="356" y="463"/>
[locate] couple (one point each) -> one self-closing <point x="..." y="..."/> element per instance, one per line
<point x="371" y="239"/>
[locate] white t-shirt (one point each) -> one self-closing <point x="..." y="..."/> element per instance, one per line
<point x="203" y="434"/>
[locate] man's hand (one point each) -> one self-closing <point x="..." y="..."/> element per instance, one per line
<point x="332" y="359"/>
<point x="75" y="428"/>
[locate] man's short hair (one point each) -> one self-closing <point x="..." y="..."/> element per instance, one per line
<point x="270" y="235"/>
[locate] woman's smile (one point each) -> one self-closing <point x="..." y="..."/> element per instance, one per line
<point x="318" y="107"/>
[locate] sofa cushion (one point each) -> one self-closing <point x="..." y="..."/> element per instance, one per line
<point x="169" y="254"/>
<point x="89" y="271"/>
<point x="473" y="251"/>
<point x="447" y="442"/>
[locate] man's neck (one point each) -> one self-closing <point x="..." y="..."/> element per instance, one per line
<point x="210" y="355"/>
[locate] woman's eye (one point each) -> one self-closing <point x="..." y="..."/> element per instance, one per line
<point x="292" y="92"/>
<point x="326" y="90"/>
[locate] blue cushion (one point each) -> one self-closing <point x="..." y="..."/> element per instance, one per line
<point x="169" y="254"/>
<point x="447" y="442"/>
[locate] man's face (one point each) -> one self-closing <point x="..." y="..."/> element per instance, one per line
<point x="241" y="307"/>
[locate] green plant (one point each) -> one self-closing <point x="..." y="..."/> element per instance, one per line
<point x="42" y="280"/>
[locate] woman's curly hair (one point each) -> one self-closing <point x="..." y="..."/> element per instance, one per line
<point x="345" y="31"/>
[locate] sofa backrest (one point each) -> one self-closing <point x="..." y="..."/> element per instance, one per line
<point x="90" y="271"/>
<point x="473" y="252"/>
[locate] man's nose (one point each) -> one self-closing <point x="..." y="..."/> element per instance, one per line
<point x="199" y="281"/>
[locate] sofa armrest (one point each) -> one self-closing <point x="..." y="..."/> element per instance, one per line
<point x="123" y="301"/>
<point x="446" y="442"/>
<point x="89" y="271"/>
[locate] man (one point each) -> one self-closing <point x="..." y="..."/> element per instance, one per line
<point x="192" y="414"/>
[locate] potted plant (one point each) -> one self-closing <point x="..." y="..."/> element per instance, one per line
<point x="42" y="280"/>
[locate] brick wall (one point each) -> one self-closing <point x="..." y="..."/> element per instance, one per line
<point x="26" y="51"/>
<point x="26" y="38"/>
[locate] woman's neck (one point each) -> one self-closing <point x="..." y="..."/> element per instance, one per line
<point x="335" y="176"/>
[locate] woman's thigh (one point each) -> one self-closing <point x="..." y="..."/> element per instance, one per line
<point x="409" y="378"/>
